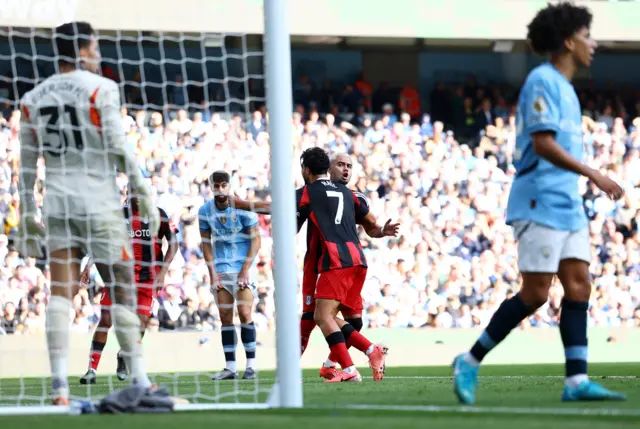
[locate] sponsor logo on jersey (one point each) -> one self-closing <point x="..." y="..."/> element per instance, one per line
<point x="141" y="233"/>
<point x="228" y="231"/>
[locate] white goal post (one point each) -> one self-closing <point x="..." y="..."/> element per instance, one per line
<point x="206" y="24"/>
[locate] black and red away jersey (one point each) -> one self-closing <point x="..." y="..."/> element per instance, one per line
<point x="333" y="210"/>
<point x="147" y="250"/>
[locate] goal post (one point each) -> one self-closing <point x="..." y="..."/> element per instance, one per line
<point x="279" y="106"/>
<point x="158" y="38"/>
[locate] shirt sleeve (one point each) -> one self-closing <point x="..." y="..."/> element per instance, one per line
<point x="29" y="153"/>
<point x="203" y="219"/>
<point x="120" y="153"/>
<point x="167" y="227"/>
<point x="361" y="204"/>
<point x="302" y="206"/>
<point x="248" y="219"/>
<point x="541" y="108"/>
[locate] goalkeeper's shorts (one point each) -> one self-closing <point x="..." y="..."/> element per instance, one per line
<point x="102" y="236"/>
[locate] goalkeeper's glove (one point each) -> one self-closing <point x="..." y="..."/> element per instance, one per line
<point x="30" y="237"/>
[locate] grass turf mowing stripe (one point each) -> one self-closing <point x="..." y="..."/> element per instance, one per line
<point x="490" y="410"/>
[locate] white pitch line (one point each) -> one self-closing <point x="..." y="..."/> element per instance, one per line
<point x="441" y="377"/>
<point x="490" y="410"/>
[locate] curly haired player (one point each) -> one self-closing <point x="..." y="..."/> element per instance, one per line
<point x="545" y="206"/>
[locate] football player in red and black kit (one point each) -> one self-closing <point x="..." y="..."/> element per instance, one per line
<point x="332" y="209"/>
<point x="340" y="171"/>
<point x="150" y="268"/>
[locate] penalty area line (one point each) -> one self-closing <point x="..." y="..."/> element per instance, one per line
<point x="490" y="410"/>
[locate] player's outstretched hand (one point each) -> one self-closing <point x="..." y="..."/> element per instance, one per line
<point x="30" y="237"/>
<point x="391" y="229"/>
<point x="606" y="185"/>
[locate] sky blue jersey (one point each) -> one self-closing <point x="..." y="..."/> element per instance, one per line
<point x="230" y="236"/>
<point x="542" y="192"/>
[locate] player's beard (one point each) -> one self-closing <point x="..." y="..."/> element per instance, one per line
<point x="222" y="199"/>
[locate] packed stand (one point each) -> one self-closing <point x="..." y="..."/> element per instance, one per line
<point x="445" y="176"/>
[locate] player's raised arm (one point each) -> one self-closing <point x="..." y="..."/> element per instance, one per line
<point x="262" y="207"/>
<point x="369" y="221"/>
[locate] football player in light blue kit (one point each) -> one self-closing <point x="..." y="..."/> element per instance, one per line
<point x="545" y="206"/>
<point x="230" y="243"/>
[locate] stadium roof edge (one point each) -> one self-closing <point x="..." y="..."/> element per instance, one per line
<point x="465" y="19"/>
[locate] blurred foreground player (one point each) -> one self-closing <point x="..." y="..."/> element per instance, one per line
<point x="332" y="209"/>
<point x="340" y="171"/>
<point x="230" y="243"/>
<point x="150" y="269"/>
<point x="73" y="119"/>
<point x="545" y="206"/>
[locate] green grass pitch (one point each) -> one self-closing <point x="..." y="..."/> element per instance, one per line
<point x="509" y="397"/>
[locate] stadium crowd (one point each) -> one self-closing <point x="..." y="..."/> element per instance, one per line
<point x="448" y="185"/>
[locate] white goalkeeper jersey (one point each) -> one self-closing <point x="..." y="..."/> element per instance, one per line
<point x="73" y="120"/>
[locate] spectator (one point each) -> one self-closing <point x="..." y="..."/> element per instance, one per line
<point x="445" y="182"/>
<point x="9" y="322"/>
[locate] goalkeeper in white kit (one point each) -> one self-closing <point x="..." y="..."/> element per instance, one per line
<point x="73" y="120"/>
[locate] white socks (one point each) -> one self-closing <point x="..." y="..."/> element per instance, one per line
<point x="231" y="365"/>
<point x="329" y="364"/>
<point x="251" y="363"/>
<point x="468" y="358"/>
<point x="575" y="380"/>
<point x="57" y="324"/>
<point x="127" y="326"/>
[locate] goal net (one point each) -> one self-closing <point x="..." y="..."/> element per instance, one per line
<point x="194" y="101"/>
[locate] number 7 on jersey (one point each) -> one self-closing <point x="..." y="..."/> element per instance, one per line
<point x="340" y="197"/>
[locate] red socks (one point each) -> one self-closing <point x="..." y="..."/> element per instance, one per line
<point x="96" y="354"/>
<point x="306" y="327"/>
<point x="339" y="349"/>
<point x="358" y="341"/>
